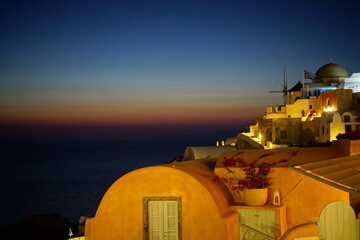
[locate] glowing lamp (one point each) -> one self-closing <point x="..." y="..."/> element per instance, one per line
<point x="328" y="109"/>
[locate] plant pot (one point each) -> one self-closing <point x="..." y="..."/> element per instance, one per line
<point x="255" y="197"/>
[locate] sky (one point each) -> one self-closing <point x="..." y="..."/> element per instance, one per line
<point x="170" y="65"/>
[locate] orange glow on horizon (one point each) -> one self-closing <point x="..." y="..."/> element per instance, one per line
<point x="146" y="117"/>
<point x="134" y="110"/>
<point x="148" y="113"/>
<point x="98" y="121"/>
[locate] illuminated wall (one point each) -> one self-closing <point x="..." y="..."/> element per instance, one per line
<point x="297" y="109"/>
<point x="203" y="203"/>
<point x="303" y="196"/>
<point x="305" y="200"/>
<point x="336" y="100"/>
<point x="294" y="96"/>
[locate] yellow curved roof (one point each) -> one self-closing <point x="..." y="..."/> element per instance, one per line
<point x="203" y="171"/>
<point x="200" y="171"/>
<point x="205" y="201"/>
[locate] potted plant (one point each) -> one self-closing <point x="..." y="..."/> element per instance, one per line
<point x="253" y="178"/>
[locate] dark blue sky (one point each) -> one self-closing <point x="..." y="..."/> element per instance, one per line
<point x="163" y="62"/>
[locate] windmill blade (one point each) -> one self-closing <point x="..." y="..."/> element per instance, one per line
<point x="284" y="90"/>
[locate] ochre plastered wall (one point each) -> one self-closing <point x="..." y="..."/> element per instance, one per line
<point x="304" y="196"/>
<point x="120" y="213"/>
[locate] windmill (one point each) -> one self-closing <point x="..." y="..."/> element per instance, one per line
<point x="284" y="90"/>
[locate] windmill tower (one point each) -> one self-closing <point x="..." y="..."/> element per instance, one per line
<point x="284" y="90"/>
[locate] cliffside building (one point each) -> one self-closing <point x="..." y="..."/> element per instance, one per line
<point x="317" y="111"/>
<point x="315" y="186"/>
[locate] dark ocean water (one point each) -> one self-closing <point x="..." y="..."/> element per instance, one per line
<point x="70" y="178"/>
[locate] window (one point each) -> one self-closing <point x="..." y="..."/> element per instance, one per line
<point x="283" y="135"/>
<point x="310" y="106"/>
<point x="357" y="128"/>
<point x="347" y="118"/>
<point x="347" y="128"/>
<point x="323" y="130"/>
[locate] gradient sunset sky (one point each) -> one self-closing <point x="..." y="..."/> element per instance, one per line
<point x="163" y="63"/>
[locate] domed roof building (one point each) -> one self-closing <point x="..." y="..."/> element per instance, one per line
<point x="317" y="110"/>
<point x="331" y="72"/>
<point x="328" y="77"/>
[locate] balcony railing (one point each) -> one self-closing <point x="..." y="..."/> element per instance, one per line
<point x="249" y="233"/>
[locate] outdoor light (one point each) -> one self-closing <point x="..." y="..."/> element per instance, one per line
<point x="328" y="109"/>
<point x="70" y="233"/>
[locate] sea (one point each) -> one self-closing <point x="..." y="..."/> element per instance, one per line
<point x="38" y="176"/>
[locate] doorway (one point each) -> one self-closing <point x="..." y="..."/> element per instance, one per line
<point x="162" y="218"/>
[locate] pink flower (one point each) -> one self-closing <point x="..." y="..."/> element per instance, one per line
<point x="256" y="175"/>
